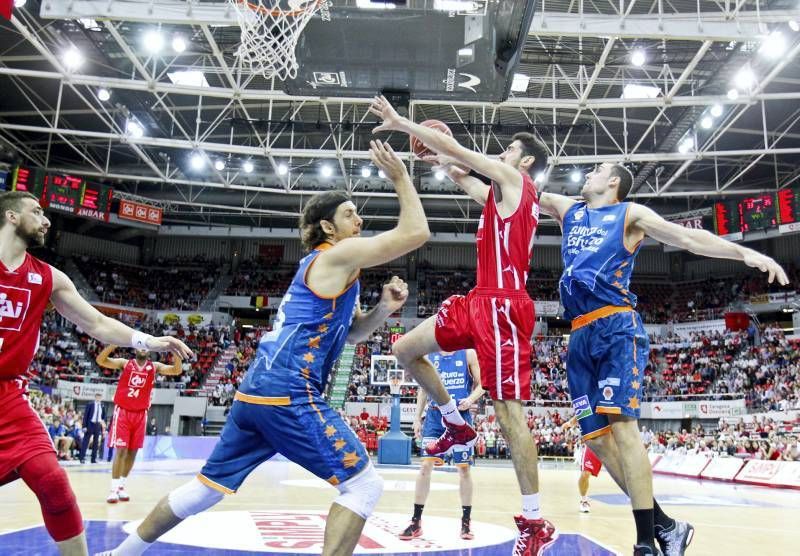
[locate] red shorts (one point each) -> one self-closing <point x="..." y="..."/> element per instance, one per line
<point x="22" y="433"/>
<point x="590" y="462"/>
<point x="127" y="429"/>
<point x="498" y="325"/>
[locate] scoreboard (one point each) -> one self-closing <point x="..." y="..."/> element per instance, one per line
<point x="757" y="213"/>
<point x="788" y="206"/>
<point x="726" y="218"/>
<point x="64" y="192"/>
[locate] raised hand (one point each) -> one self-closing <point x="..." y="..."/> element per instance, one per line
<point x="766" y="264"/>
<point x="171" y="345"/>
<point x="384" y="157"/>
<point x="384" y="110"/>
<point x="395" y="293"/>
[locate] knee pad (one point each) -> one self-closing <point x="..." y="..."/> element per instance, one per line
<point x="192" y="498"/>
<point x="49" y="482"/>
<point x="361" y="493"/>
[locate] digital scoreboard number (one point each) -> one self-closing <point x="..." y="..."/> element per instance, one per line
<point x="757" y="213"/>
<point x="788" y="206"/>
<point x="28" y="179"/>
<point x="62" y="192"/>
<point x="726" y="218"/>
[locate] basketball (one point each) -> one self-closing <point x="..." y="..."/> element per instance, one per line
<point x="418" y="147"/>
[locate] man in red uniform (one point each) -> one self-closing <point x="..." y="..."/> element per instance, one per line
<point x="497" y="317"/>
<point x="132" y="400"/>
<point x="27" y="285"/>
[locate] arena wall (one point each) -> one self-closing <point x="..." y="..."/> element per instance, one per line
<point x="76" y="244"/>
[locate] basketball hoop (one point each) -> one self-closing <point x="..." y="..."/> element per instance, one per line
<point x="394" y="386"/>
<point x="270" y="32"/>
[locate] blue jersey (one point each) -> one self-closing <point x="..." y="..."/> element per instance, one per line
<point x="308" y="336"/>
<point x="597" y="264"/>
<point x="454" y="372"/>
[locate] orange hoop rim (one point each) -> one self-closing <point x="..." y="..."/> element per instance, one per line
<point x="276" y="12"/>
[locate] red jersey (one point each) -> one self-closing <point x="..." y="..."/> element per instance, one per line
<point x="135" y="386"/>
<point x="505" y="245"/>
<point x="24" y="295"/>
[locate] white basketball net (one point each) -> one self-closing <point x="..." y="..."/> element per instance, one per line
<point x="270" y="31"/>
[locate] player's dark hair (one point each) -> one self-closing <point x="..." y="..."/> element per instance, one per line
<point x="321" y="206"/>
<point x="625" y="180"/>
<point x="12" y="200"/>
<point x="532" y="146"/>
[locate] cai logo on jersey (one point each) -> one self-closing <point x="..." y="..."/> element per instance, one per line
<point x="138" y="379"/>
<point x="14" y="303"/>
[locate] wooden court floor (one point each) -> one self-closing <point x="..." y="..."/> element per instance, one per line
<point x="729" y="519"/>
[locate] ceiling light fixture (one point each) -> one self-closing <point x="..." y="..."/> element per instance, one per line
<point x="247" y="167"/>
<point x="638" y="58"/>
<point x="103" y="94"/>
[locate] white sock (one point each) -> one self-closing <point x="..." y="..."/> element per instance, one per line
<point x="450" y="413"/>
<point x="132" y="546"/>
<point x="584" y="499"/>
<point x="122" y="482"/>
<point x="530" y="506"/>
<point x="114" y="485"/>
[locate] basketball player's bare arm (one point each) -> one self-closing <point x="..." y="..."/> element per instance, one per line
<point x="170" y="370"/>
<point x="395" y="293"/>
<point x="644" y="221"/>
<point x="410" y="233"/>
<point x="502" y="174"/>
<point x="477" y="389"/>
<point x="103" y="359"/>
<point x="69" y="303"/>
<point x="470" y="185"/>
<point x="555" y="205"/>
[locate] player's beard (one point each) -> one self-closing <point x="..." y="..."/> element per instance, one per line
<point x="30" y="237"/>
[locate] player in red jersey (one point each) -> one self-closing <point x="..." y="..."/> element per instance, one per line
<point x="27" y="285"/>
<point x="132" y="400"/>
<point x="590" y="466"/>
<point x="497" y="317"/>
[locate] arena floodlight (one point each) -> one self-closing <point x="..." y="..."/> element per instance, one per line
<point x="773" y="46"/>
<point x="576" y="176"/>
<point x="745" y="78"/>
<point x="103" y="94"/>
<point x="540" y="178"/>
<point x="197" y="161"/>
<point x="134" y="129"/>
<point x="382" y="174"/>
<point x="178" y="44"/>
<point x="283" y="169"/>
<point x="366" y="172"/>
<point x="794" y="25"/>
<point x="153" y="41"/>
<point x="638" y="58"/>
<point x="733" y="94"/>
<point x="716" y="110"/>
<point x="19" y="3"/>
<point x="73" y="58"/>
<point x="439" y="175"/>
<point x="247" y="167"/>
<point x="325" y="171"/>
<point x="706" y="122"/>
<point x="219" y="165"/>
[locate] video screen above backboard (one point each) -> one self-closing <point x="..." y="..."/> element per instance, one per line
<point x="455" y="50"/>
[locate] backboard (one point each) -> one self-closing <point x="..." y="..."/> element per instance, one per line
<point x="466" y="54"/>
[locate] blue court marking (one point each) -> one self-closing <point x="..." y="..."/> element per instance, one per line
<point x="104" y="535"/>
<point x="687" y="500"/>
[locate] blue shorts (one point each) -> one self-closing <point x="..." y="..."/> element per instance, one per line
<point x="433" y="429"/>
<point x="605" y="369"/>
<point x="306" y="431"/>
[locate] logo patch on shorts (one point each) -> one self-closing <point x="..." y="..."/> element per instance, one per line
<point x="608" y="393"/>
<point x="582" y="407"/>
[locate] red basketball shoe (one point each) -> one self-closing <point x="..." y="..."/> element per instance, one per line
<point x="534" y="536"/>
<point x="461" y="436"/>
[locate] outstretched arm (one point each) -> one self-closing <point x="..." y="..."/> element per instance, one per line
<point x="395" y="293"/>
<point x="443" y="144"/>
<point x="69" y="303"/>
<point x="410" y="233"/>
<point x="107" y="362"/>
<point x="701" y="242"/>
<point x="555" y="205"/>
<point x="470" y="185"/>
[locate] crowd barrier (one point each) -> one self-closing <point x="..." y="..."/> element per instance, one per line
<point x="779" y="474"/>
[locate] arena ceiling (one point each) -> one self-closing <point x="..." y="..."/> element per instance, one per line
<point x="577" y="59"/>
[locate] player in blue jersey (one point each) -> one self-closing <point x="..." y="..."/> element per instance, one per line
<point x="609" y="347"/>
<point x="279" y="407"/>
<point x="461" y="375"/>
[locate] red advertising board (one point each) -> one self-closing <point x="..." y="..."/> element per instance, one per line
<point x="139" y="212"/>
